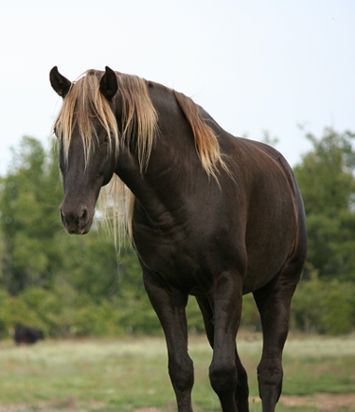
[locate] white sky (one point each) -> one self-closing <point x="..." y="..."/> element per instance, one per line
<point x="254" y="65"/>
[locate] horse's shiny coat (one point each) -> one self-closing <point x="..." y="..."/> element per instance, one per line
<point x="213" y="217"/>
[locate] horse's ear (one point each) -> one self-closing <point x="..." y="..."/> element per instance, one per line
<point x="59" y="83"/>
<point x="108" y="83"/>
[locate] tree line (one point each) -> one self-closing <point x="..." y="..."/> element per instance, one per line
<point x="76" y="286"/>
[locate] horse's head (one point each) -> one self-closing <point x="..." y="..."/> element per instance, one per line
<point x="88" y="138"/>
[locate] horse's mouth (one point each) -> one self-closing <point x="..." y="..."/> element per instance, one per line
<point x="77" y="229"/>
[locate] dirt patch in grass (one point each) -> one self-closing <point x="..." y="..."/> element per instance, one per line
<point x="323" y="401"/>
<point x="147" y="410"/>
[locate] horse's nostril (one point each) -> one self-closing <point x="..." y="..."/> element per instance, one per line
<point x="84" y="214"/>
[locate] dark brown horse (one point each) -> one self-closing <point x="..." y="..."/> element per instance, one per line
<point x="210" y="215"/>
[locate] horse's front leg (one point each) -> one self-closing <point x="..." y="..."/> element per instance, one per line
<point x="227" y="297"/>
<point x="170" y="307"/>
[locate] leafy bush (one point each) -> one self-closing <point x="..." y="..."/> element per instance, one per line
<point x="326" y="307"/>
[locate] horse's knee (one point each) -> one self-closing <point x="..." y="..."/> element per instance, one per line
<point x="223" y="377"/>
<point x="270" y="375"/>
<point x="181" y="373"/>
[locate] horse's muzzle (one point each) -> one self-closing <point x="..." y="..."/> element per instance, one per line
<point x="76" y="221"/>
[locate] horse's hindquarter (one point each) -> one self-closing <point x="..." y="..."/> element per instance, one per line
<point x="275" y="213"/>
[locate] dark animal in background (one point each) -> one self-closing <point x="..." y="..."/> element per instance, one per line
<point x="27" y="334"/>
<point x="209" y="215"/>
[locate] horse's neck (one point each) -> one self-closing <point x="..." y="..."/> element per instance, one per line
<point x="173" y="166"/>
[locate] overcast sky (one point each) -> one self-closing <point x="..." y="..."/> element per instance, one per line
<point x="254" y="65"/>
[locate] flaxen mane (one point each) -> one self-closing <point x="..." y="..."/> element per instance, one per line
<point x="84" y="106"/>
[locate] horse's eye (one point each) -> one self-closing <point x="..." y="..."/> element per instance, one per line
<point x="105" y="142"/>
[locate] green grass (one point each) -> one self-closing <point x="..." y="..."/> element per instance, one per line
<point x="131" y="373"/>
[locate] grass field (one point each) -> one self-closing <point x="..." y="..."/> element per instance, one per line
<point x="130" y="374"/>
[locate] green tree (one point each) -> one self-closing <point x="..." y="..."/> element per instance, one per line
<point x="326" y="174"/>
<point x="327" y="179"/>
<point x="29" y="203"/>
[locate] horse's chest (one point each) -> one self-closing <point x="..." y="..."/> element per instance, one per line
<point x="177" y="259"/>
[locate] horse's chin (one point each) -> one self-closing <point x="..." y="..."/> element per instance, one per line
<point x="78" y="231"/>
